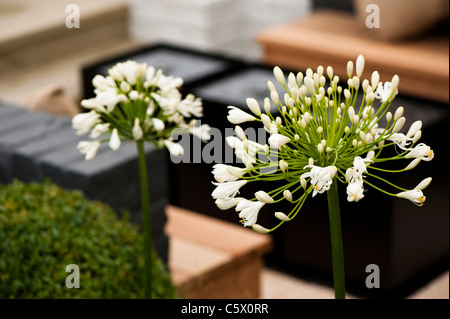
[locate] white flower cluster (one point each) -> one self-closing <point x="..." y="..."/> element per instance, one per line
<point x="136" y="102"/>
<point x="320" y="135"/>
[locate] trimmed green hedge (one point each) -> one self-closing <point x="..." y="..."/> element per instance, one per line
<point x="44" y="228"/>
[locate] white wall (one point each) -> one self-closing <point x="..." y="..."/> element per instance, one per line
<point x="224" y="26"/>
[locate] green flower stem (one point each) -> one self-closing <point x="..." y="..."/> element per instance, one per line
<point x="146" y="220"/>
<point x="336" y="241"/>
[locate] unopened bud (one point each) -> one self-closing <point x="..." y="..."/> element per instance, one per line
<point x="349" y="69"/>
<point x="413" y="164"/>
<point x="288" y="195"/>
<point x="424" y="184"/>
<point x="415" y="127"/>
<point x="258" y="228"/>
<point x="398" y="125"/>
<point x="282" y="216"/>
<point x="360" y="62"/>
<point x="279" y="75"/>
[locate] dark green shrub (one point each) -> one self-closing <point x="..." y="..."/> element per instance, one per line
<point x="44" y="228"/>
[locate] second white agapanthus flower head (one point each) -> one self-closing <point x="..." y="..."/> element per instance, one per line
<point x="137" y="102"/>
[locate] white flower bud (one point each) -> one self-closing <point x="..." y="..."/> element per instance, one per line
<point x="413" y="164"/>
<point x="369" y="138"/>
<point x="322" y="81"/>
<point x="349" y="174"/>
<point x="415" y="127"/>
<point x="271" y="86"/>
<point x="253" y="105"/>
<point x="283" y="165"/>
<point x="282" y="216"/>
<point x="273" y="129"/>
<point x="375" y="79"/>
<point x="355" y="82"/>
<point x="266" y="121"/>
<point x="274" y="97"/>
<point x="349" y="69"/>
<point x="263" y="197"/>
<point x="365" y="85"/>
<point x="330" y="72"/>
<point x="320" y="148"/>
<point x="388" y="116"/>
<point x="279" y="75"/>
<point x="125" y="87"/>
<point x="398" y="125"/>
<point x="303" y="123"/>
<point x="303" y="182"/>
<point x="336" y="81"/>
<point x="299" y="78"/>
<point x="240" y="132"/>
<point x="114" y="142"/>
<point x="395" y="82"/>
<point x="424" y="184"/>
<point x="288" y="195"/>
<point x="258" y="228"/>
<point x="279" y="121"/>
<point x="278" y="140"/>
<point x="267" y="105"/>
<point x="309" y="83"/>
<point x="370" y="155"/>
<point x="347" y="94"/>
<point x="360" y="62"/>
<point x="292" y="80"/>
<point x="417" y="136"/>
<point x="137" y="130"/>
<point x="398" y="113"/>
<point x="311" y="161"/>
<point x="320" y="130"/>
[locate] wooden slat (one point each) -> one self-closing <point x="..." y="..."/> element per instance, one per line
<point x="224" y="236"/>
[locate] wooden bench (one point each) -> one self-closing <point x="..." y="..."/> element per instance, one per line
<point x="213" y="259"/>
<point x="334" y="38"/>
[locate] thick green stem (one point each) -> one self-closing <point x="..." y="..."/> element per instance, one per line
<point x="146" y="220"/>
<point x="336" y="241"/>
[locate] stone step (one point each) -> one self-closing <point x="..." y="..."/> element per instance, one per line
<point x="37" y="49"/>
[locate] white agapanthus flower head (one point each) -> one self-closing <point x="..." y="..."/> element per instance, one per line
<point x="136" y="102"/>
<point x="320" y="136"/>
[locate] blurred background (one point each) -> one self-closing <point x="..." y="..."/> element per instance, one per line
<point x="225" y="51"/>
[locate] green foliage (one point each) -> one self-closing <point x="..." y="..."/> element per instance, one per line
<point x="44" y="228"/>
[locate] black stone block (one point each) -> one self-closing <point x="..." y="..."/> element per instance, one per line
<point x="112" y="176"/>
<point x="192" y="66"/>
<point x="21" y="130"/>
<point x="27" y="156"/>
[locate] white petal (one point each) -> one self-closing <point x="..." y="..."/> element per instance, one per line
<point x="249" y="211"/>
<point x="227" y="189"/>
<point x="227" y="203"/>
<point x="88" y="148"/>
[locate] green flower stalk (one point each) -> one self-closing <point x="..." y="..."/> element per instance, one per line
<point x="138" y="103"/>
<point x="321" y="136"/>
